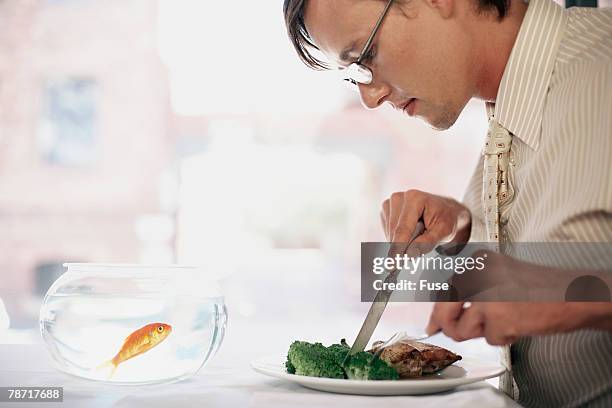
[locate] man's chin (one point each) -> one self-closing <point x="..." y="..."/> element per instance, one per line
<point x="439" y="127"/>
<point x="440" y="121"/>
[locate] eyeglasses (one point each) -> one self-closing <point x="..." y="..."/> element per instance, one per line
<point x="357" y="73"/>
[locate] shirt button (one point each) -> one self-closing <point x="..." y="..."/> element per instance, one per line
<point x="503" y="220"/>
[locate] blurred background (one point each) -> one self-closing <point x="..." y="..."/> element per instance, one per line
<point x="187" y="131"/>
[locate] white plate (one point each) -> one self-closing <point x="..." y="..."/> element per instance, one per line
<point x="466" y="371"/>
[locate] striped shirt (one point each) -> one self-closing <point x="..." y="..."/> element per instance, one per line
<point x="555" y="97"/>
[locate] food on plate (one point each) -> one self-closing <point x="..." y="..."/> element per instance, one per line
<point x="366" y="366"/>
<point x="401" y="359"/>
<point x="413" y="359"/>
<point x="313" y="360"/>
<point x="317" y="360"/>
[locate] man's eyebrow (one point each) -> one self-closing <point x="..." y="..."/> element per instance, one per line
<point x="345" y="55"/>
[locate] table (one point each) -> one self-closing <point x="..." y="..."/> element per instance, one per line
<point x="224" y="383"/>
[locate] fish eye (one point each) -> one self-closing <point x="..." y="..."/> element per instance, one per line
<point x="160" y="329"/>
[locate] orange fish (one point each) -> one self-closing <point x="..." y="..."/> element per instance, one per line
<point x="140" y="341"/>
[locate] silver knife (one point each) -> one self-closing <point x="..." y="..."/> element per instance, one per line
<point x="381" y="300"/>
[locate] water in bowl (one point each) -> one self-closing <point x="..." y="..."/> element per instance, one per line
<point x="84" y="331"/>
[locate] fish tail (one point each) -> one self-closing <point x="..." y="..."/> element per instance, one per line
<point x="107" y="364"/>
<point x="112" y="371"/>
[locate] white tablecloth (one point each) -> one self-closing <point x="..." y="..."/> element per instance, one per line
<point x="221" y="384"/>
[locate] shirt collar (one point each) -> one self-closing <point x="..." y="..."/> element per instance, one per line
<point x="519" y="105"/>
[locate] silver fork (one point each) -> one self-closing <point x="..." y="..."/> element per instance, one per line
<point x="399" y="336"/>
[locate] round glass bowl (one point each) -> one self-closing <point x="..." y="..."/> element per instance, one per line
<point x="133" y="324"/>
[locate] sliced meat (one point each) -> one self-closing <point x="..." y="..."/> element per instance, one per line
<point x="412" y="358"/>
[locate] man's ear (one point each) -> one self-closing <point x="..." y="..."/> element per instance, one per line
<point x="446" y="8"/>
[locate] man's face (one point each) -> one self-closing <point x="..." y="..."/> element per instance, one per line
<point x="421" y="51"/>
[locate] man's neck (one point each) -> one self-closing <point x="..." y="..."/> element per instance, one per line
<point x="497" y="39"/>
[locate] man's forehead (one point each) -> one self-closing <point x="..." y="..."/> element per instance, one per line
<point x="336" y="26"/>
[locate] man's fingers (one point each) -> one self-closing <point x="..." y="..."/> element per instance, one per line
<point x="470" y="324"/>
<point x="500" y="328"/>
<point x="385" y="213"/>
<point x="422" y="244"/>
<point x="432" y="325"/>
<point x="397" y="202"/>
<point x="383" y="223"/>
<point x="495" y="337"/>
<point x="444" y="317"/>
<point x="408" y="218"/>
<point x="441" y="226"/>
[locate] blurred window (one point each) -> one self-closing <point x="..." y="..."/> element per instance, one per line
<point x="45" y="274"/>
<point x="67" y="133"/>
<point x="69" y="2"/>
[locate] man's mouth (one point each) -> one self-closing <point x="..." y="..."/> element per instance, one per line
<point x="410" y="106"/>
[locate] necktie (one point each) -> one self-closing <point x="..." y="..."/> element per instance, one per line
<point x="497" y="189"/>
<point x="497" y="196"/>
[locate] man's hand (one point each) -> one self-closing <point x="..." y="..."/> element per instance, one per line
<point x="504" y="322"/>
<point x="445" y="219"/>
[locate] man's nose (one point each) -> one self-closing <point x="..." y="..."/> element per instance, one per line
<point x="373" y="95"/>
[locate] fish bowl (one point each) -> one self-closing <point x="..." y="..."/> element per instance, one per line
<point x="133" y="324"/>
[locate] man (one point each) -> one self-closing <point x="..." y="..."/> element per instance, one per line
<point x="546" y="76"/>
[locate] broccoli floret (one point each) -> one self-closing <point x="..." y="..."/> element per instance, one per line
<point x="339" y="351"/>
<point x="314" y="360"/>
<point x="290" y="368"/>
<point x="365" y="366"/>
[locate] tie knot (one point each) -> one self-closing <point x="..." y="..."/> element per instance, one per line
<point x="498" y="139"/>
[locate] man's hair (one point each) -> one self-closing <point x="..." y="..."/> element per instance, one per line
<point x="305" y="46"/>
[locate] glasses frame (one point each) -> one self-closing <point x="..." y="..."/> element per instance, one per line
<point x="357" y="73"/>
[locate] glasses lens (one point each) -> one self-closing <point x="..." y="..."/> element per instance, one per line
<point x="350" y="84"/>
<point x="357" y="74"/>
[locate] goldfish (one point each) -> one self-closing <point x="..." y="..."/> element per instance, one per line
<point x="140" y="341"/>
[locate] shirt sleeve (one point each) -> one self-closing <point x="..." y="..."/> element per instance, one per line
<point x="581" y="188"/>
